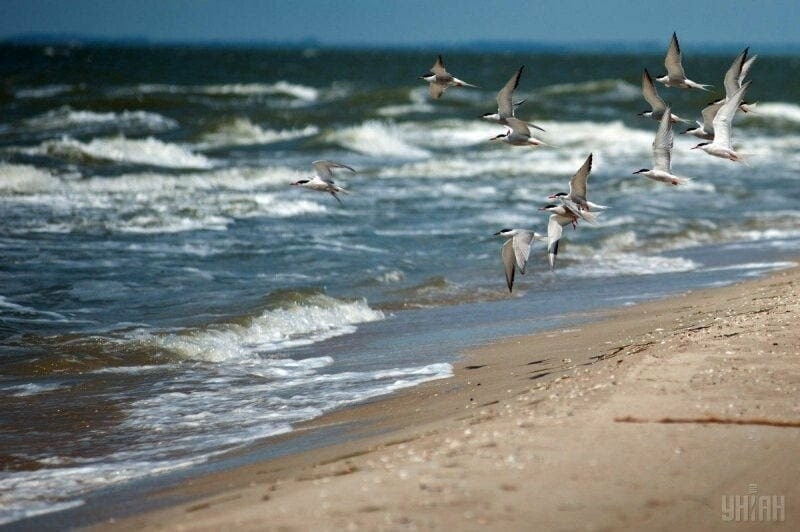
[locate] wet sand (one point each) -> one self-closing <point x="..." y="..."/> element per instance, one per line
<point x="660" y="416"/>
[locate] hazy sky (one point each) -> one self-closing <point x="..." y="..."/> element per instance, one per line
<point x="416" y="22"/>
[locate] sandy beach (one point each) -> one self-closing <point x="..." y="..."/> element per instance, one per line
<point x="682" y="414"/>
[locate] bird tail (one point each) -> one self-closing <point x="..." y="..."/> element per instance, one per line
<point x="740" y="158"/>
<point x="589" y="216"/>
<point x="701" y="86"/>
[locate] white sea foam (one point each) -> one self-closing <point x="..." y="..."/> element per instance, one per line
<point x="320" y="318"/>
<point x="32" y="388"/>
<point x="377" y="139"/>
<point x="607" y="89"/>
<point x="46" y="91"/>
<point x="301" y="92"/>
<point x="241" y="131"/>
<point x="777" y="111"/>
<point x="66" y="117"/>
<point x="148" y="151"/>
<point x="23" y="178"/>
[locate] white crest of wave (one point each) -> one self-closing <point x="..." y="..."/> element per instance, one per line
<point x="377" y="138"/>
<point x="319" y="318"/>
<point x="301" y="92"/>
<point x="620" y="254"/>
<point x="241" y="131"/>
<point x="46" y="91"/>
<point x="23" y="178"/>
<point x="608" y="89"/>
<point x="65" y="116"/>
<point x="780" y="111"/>
<point x="150" y="151"/>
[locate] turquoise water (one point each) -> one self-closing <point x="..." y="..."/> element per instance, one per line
<point x="166" y="296"/>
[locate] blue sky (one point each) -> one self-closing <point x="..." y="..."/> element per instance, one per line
<point x="412" y="23"/>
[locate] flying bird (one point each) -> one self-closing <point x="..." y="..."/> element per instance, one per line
<point x="516" y="250"/>
<point x="560" y="216"/>
<point x="662" y="155"/>
<point x="577" y="189"/>
<point x="518" y="134"/>
<point x="722" y="145"/>
<point x="440" y="79"/>
<point x="705" y="129"/>
<point x="322" y="180"/>
<point x="506" y="106"/>
<point x="657" y="103"/>
<point x="735" y="75"/>
<point x="675" y="76"/>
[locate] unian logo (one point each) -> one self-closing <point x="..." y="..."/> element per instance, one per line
<point x="753" y="507"/>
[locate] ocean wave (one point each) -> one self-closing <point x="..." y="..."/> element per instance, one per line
<point x="317" y="318"/>
<point x="608" y="89"/>
<point x="776" y="111"/>
<point x="67" y="118"/>
<point x="23" y="178"/>
<point x="242" y="132"/>
<point x="152" y="202"/>
<point x="300" y="92"/>
<point x="45" y="91"/>
<point x="377" y="139"/>
<point x="147" y="151"/>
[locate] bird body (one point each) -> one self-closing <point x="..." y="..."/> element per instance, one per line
<point x="662" y="155"/>
<point x="705" y="129"/>
<point x="322" y="180"/>
<point x="577" y="189"/>
<point x="722" y="145"/>
<point x="675" y="76"/>
<point x="518" y="134"/>
<point x="657" y="104"/>
<point x="516" y="250"/>
<point x="440" y="79"/>
<point x="560" y="216"/>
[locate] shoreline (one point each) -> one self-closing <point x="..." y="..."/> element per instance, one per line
<point x="651" y="416"/>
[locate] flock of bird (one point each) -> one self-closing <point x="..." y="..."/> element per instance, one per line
<point x="572" y="206"/>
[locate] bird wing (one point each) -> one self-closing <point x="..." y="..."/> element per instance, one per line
<point x="554" y="229"/>
<point x="518" y="126"/>
<point x="436" y="90"/>
<point x="662" y="143"/>
<point x="673" y="59"/>
<point x="746" y="69"/>
<point x="438" y="67"/>
<point x="650" y="93"/>
<point x="577" y="185"/>
<point x="509" y="261"/>
<point x="733" y="76"/>
<point x="709" y="112"/>
<point x="522" y="248"/>
<point x="505" y="107"/>
<point x="323" y="169"/>
<point x="724" y="119"/>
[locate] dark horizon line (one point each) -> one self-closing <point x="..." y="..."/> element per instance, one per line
<point x="493" y="45"/>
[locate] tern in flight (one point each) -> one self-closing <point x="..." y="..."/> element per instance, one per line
<point x="722" y="145"/>
<point x="675" y="76"/>
<point x="322" y="180"/>
<point x="440" y="79"/>
<point x="657" y="103"/>
<point x="518" y="134"/>
<point x="516" y="250"/>
<point x="662" y="155"/>
<point x="577" y="189"/>
<point x="506" y="106"/>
